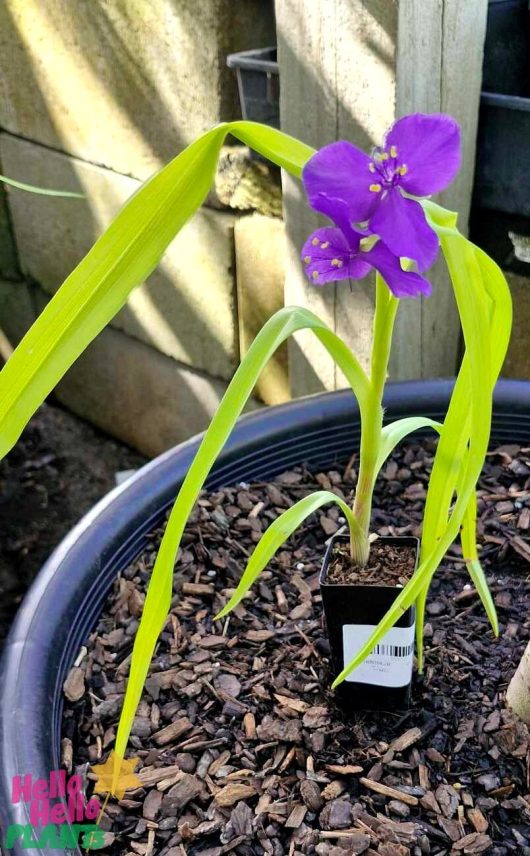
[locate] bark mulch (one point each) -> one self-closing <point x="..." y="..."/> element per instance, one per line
<point x="242" y="746"/>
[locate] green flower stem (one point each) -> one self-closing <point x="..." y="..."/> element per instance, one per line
<point x="372" y="418"/>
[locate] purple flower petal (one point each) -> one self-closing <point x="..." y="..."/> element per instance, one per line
<point x="328" y="257"/>
<point x="428" y="146"/>
<point x="340" y="171"/>
<point x="401" y="223"/>
<point x="401" y="283"/>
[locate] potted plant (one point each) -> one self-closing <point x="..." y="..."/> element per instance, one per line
<point x="367" y="232"/>
<point x="68" y="596"/>
<point x="368" y="199"/>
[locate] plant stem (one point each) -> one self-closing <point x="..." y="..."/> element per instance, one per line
<point x="372" y="417"/>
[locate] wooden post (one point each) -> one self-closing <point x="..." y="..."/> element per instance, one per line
<point x="348" y="69"/>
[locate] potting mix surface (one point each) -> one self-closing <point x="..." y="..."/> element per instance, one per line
<point x="388" y="565"/>
<point x="241" y="744"/>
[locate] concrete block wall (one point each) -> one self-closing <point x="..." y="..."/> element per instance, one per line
<point x="95" y="97"/>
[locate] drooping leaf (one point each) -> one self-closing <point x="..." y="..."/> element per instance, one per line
<point x="277" y="329"/>
<point x="491" y="289"/>
<point x="484" y="302"/>
<point x="122" y="258"/>
<point x="277" y="533"/>
<point x="395" y="432"/>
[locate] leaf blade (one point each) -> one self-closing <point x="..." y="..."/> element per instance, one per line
<point x="277" y="329"/>
<point x="474" y="386"/>
<point x="276" y="534"/>
<point x="41" y="191"/>
<point x="122" y="258"/>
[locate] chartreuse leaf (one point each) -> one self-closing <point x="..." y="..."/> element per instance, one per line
<point x="394" y="434"/>
<point x="468" y="537"/>
<point x="452" y="447"/>
<point x="278" y="532"/>
<point x="481" y="296"/>
<point x="120" y="260"/>
<point x="277" y="329"/>
<point x="42" y="191"/>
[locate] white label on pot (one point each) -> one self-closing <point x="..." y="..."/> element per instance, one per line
<point x="389" y="664"/>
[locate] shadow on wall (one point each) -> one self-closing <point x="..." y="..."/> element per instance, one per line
<point x="126" y="86"/>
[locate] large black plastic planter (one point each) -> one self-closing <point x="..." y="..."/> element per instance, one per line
<point x="65" y="600"/>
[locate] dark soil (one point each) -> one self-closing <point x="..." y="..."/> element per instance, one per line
<point x="388" y="565"/>
<point x="242" y="747"/>
<point x="59" y="468"/>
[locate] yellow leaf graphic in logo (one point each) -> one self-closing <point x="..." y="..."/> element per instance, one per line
<point x="116" y="776"/>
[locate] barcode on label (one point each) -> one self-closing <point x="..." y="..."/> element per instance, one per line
<point x="393" y="650"/>
<point x="389" y="664"/>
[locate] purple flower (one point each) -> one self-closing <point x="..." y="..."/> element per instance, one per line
<point x="338" y="253"/>
<point x="420" y="156"/>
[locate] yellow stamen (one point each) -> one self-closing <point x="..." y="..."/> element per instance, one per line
<point x="315" y="242"/>
<point x="371" y="167"/>
<point x="307" y="259"/>
<point x="375" y="188"/>
<point x="393" y="151"/>
<point x="315" y="274"/>
<point x="325" y="245"/>
<point x="384" y="156"/>
<point x="336" y="263"/>
<point x="403" y="169"/>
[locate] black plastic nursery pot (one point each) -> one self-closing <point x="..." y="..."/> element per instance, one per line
<point x="258" y="81"/>
<point x="502" y="180"/>
<point x="352" y="612"/>
<point x="64" y="602"/>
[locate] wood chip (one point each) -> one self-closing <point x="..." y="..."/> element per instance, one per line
<point x="296" y="818"/>
<point x="151" y="777"/>
<point x="152" y="804"/>
<point x="198" y="589"/>
<point x="172" y="731"/>
<point x="249" y="724"/>
<point x="448" y="799"/>
<point x="477" y="820"/>
<point x="344" y="770"/>
<point x="259" y="635"/>
<point x="212" y="641"/>
<point x="474" y="843"/>
<point x="295" y="704"/>
<point x="520" y="546"/>
<point x="391" y="793"/>
<point x="408" y="739"/>
<point x="234" y="792"/>
<point x="310" y="793"/>
<point x="74" y="685"/>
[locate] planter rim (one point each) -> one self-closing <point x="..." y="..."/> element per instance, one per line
<point x="254" y="60"/>
<point x="64" y="602"/>
<point x="508" y="102"/>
